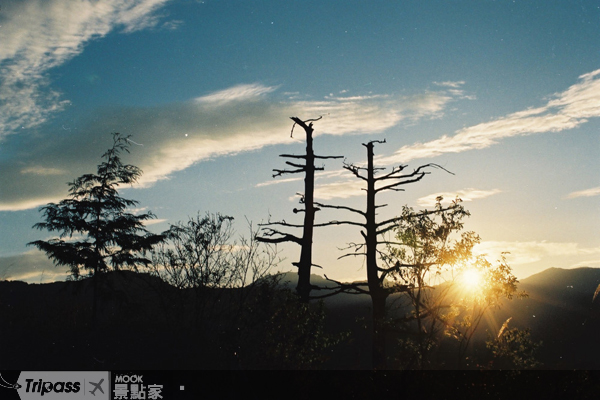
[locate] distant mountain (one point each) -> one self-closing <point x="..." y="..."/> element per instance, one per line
<point x="558" y="311"/>
<point x="584" y="277"/>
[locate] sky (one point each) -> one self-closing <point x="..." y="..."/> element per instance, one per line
<point x="504" y="94"/>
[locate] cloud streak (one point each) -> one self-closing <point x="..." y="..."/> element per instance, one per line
<point x="32" y="266"/>
<point x="533" y="251"/>
<point x="38" y="35"/>
<point x="176" y="136"/>
<point x="567" y="110"/>
<point x="237" y="93"/>
<point x="585" y="193"/>
<point x="339" y="190"/>
<point x="465" y="195"/>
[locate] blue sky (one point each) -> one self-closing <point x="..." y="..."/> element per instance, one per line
<point x="505" y="94"/>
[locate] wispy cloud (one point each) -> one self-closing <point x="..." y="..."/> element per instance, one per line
<point x="566" y="110"/>
<point x="237" y="93"/>
<point x="149" y="222"/>
<point x="176" y="136"/>
<point x="38" y="35"/>
<point x="533" y="251"/>
<point x="320" y="175"/>
<point x="172" y="25"/>
<point x="586" y="263"/>
<point x="465" y="195"/>
<point x="585" y="193"/>
<point x="34" y="170"/>
<point x="32" y="266"/>
<point x="339" y="190"/>
<point x="18" y="203"/>
<point x="450" y="84"/>
<point x="374" y="113"/>
<point x="278" y="181"/>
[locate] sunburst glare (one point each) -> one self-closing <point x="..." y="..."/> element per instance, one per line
<point x="471" y="279"/>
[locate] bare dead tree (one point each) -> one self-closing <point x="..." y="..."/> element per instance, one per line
<point x="372" y="232"/>
<point x="274" y="235"/>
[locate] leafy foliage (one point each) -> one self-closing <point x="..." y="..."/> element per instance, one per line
<point x="513" y="349"/>
<point x="96" y="230"/>
<point x="429" y="258"/>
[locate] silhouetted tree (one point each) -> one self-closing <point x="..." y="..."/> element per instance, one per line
<point x="203" y="258"/>
<point x="426" y="259"/>
<point x="372" y="232"/>
<point x="97" y="232"/>
<point x="272" y="235"/>
<point x="237" y="308"/>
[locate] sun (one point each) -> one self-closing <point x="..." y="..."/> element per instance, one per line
<point x="471" y="279"/>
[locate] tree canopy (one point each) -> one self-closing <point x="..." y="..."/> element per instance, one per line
<point x="97" y="228"/>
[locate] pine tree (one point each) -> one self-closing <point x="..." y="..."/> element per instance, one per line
<point x="97" y="233"/>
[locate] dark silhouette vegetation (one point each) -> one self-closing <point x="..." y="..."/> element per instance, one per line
<point x="47" y="327"/>
<point x="201" y="296"/>
<point x="372" y="232"/>
<point x="97" y="232"/>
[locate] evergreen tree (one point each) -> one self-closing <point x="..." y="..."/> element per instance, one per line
<point x="97" y="233"/>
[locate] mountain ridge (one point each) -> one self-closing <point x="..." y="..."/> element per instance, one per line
<point x="558" y="311"/>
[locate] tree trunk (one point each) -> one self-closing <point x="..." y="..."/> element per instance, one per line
<point x="305" y="264"/>
<point x="95" y="297"/>
<point x="379" y="354"/>
<point x="377" y="291"/>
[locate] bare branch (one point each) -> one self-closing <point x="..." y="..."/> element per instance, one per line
<point x="303" y="124"/>
<point x="389" y="221"/>
<point x="341" y="208"/>
<point x="374" y="141"/>
<point x="281" y="223"/>
<point x="392" y="174"/>
<point x="351" y="255"/>
<point x="328" y="157"/>
<point x="418" y="173"/>
<point x="355" y="170"/>
<point x="285" y="171"/>
<point x="394" y="186"/>
<point x="339" y="223"/>
<point x="292" y="156"/>
<point x="291" y="164"/>
<point x="348" y="288"/>
<point x="356" y="246"/>
<point x="285" y="237"/>
<point x="312" y="120"/>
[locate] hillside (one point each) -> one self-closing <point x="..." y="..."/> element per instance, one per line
<point x="142" y="323"/>
<point x="558" y="311"/>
